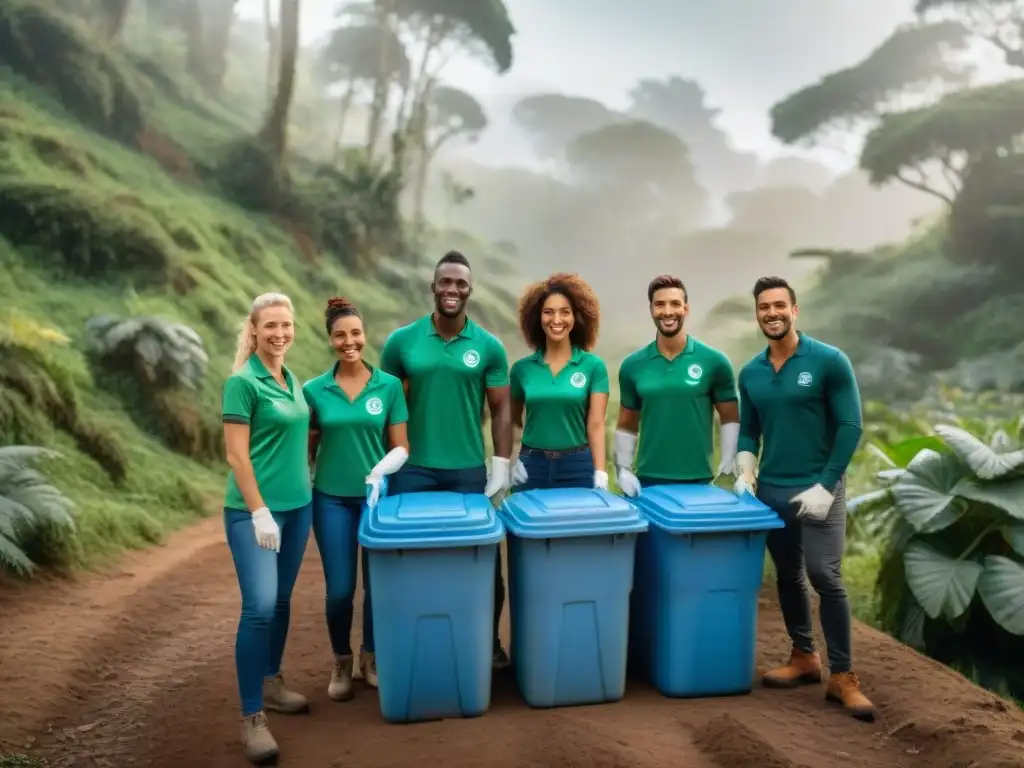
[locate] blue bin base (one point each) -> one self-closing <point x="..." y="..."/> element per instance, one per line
<point x="570" y="615"/>
<point x="694" y="611"/>
<point x="433" y="616"/>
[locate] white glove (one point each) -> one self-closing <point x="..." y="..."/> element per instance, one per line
<point x="393" y="461"/>
<point x="746" y="466"/>
<point x="600" y="480"/>
<point x="628" y="482"/>
<point x="519" y="476"/>
<point x="728" y="437"/>
<point x="625" y="449"/>
<point x="814" y="503"/>
<point x="498" y="480"/>
<point x="268" y="535"/>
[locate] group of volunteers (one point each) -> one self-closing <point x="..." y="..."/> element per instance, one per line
<point x="312" y="455"/>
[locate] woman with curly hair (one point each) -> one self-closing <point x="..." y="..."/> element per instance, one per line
<point x="560" y="392"/>
<point x="357" y="438"/>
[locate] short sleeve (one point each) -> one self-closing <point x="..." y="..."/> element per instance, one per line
<point x="398" y="412"/>
<point x="391" y="355"/>
<point x="515" y="379"/>
<point x="724" y="383"/>
<point x="239" y="400"/>
<point x="599" y="384"/>
<point x="307" y="394"/>
<point x="496" y="374"/>
<point x="628" y="397"/>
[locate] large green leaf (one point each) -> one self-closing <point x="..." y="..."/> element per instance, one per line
<point x="980" y="458"/>
<point x="1001" y="587"/>
<point x="903" y="452"/>
<point x="1014" y="535"/>
<point x="924" y="493"/>
<point x="943" y="585"/>
<point x="1007" y="495"/>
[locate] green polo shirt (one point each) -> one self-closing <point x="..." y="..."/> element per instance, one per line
<point x="447" y="380"/>
<point x="807" y="414"/>
<point x="557" y="406"/>
<point x="676" y="402"/>
<point x="278" y="422"/>
<point x="353" y="433"/>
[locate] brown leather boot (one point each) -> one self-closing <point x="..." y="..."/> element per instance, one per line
<point x="844" y="688"/>
<point x="802" y="669"/>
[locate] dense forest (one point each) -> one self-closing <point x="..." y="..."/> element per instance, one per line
<point x="163" y="162"/>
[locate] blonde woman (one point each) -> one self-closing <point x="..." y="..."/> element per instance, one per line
<point x="267" y="511"/>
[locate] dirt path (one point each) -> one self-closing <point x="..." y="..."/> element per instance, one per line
<point x="134" y="667"/>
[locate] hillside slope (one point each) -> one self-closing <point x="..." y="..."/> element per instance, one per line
<point x="108" y="207"/>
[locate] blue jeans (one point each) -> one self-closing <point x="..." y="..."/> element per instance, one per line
<point x="266" y="579"/>
<point x="413" y="479"/>
<point x="336" y="528"/>
<point x="557" y="470"/>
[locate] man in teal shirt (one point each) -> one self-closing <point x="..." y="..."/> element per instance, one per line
<point x="800" y="404"/>
<point x="449" y="365"/>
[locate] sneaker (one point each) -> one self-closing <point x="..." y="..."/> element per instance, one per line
<point x="278" y="698"/>
<point x="340" y="687"/>
<point x="368" y="667"/>
<point x="500" y="659"/>
<point x="258" y="742"/>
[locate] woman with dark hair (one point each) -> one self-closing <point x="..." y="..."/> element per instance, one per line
<point x="560" y="392"/>
<point x="357" y="437"/>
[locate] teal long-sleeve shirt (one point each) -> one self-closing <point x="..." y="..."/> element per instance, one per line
<point x="807" y="415"/>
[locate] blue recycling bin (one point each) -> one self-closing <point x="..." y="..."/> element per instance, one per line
<point x="699" y="569"/>
<point x="432" y="559"/>
<point x="570" y="563"/>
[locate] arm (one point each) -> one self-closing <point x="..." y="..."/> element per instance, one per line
<point x="239" y="402"/>
<point x="628" y="424"/>
<point x="518" y="397"/>
<point x="844" y="404"/>
<point x="314" y="427"/>
<point x="496" y="380"/>
<point x="749" y="440"/>
<point x="727" y="407"/>
<point x="597" y="415"/>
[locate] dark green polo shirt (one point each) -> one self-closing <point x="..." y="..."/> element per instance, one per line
<point x="353" y="433"/>
<point x="447" y="383"/>
<point x="808" y="415"/>
<point x="278" y="422"/>
<point x="676" y="402"/>
<point x="556" y="407"/>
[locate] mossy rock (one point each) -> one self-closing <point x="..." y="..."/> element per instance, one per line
<point x="51" y="50"/>
<point x="85" y="231"/>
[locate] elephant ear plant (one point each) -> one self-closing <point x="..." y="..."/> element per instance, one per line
<point x="950" y="519"/>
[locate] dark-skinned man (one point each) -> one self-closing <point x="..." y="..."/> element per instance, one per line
<point x="800" y="408"/>
<point x="449" y="365"/>
<point x="669" y="392"/>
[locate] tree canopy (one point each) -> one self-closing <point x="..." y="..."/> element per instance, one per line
<point x="965" y="124"/>
<point x="918" y="58"/>
<point x="363" y="52"/>
<point x="553" y="120"/>
<point x="485" y="22"/>
<point x="453" y="112"/>
<point x="999" y="22"/>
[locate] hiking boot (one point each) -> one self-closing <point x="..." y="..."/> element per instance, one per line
<point x="340" y="687"/>
<point x="844" y="688"/>
<point x="257" y="740"/>
<point x="368" y="667"/>
<point x="500" y="659"/>
<point x="802" y="669"/>
<point x="277" y="698"/>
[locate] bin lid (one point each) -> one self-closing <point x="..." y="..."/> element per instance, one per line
<point x="431" y="520"/>
<point x="704" y="509"/>
<point x="569" y="512"/>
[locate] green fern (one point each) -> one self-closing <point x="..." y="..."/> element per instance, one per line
<point x="28" y="503"/>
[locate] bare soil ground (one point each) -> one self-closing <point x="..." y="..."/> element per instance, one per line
<point x="134" y="667"/>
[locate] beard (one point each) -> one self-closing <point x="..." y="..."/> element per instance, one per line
<point x="783" y="329"/>
<point x="669" y="332"/>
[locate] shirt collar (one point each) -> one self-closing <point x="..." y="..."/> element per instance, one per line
<point x="577" y="356"/>
<point x="329" y="382"/>
<point x="259" y="370"/>
<point x="468" y="330"/>
<point x="802" y="345"/>
<point x="653" y="351"/>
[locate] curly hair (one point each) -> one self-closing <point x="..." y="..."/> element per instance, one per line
<point x="337" y="307"/>
<point x="586" y="310"/>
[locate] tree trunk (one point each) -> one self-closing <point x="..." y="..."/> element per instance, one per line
<point x="218" y="37"/>
<point x="115" y="12"/>
<point x="273" y="43"/>
<point x="192" y="25"/>
<point x="275" y="131"/>
<point x="382" y="83"/>
<point x="346" y="106"/>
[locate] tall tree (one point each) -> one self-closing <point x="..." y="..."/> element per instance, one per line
<point x="220" y="19"/>
<point x="913" y="65"/>
<point x="113" y="14"/>
<point x="998" y="22"/>
<point x="553" y="120"/>
<point x="273" y="44"/>
<point x="275" y="130"/>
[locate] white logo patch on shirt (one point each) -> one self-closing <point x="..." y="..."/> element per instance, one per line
<point x="374" y="406"/>
<point x="804" y="379"/>
<point x="695" y="371"/>
<point x="471" y="358"/>
<point x="578" y="380"/>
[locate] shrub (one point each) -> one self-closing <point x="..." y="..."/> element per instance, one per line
<point x="29" y="504"/>
<point x="160" y="353"/>
<point x="84" y="231"/>
<point x="52" y="51"/>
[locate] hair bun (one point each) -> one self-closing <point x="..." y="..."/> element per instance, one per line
<point x="339" y="302"/>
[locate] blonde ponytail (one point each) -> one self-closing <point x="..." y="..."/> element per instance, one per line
<point x="247" y="331"/>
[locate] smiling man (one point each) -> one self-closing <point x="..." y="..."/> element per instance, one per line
<point x="800" y="405"/>
<point x="669" y="392"/>
<point x="449" y="365"/>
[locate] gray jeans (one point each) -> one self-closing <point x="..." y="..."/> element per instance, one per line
<point x="818" y="548"/>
